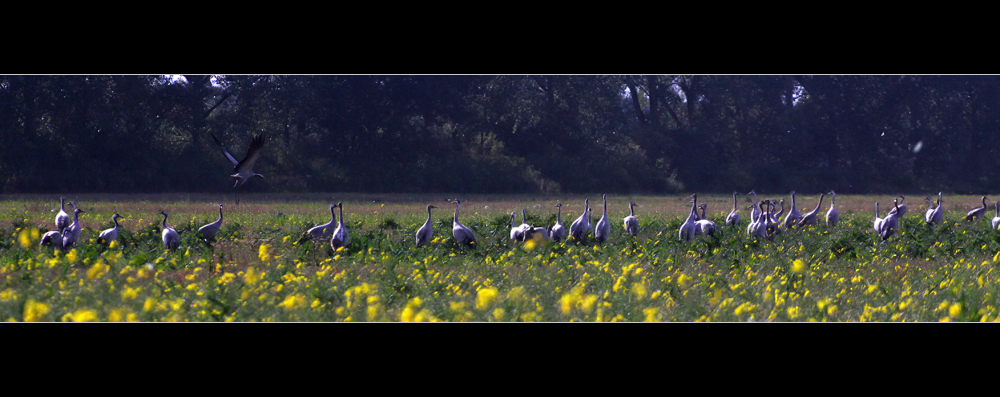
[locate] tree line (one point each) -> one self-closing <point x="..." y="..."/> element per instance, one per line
<point x="501" y="134"/>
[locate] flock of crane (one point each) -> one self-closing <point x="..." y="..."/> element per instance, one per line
<point x="764" y="221"/>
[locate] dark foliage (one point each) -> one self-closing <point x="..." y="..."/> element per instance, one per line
<point x="500" y="134"/>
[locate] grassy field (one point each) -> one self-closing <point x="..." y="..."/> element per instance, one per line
<point x="261" y="270"/>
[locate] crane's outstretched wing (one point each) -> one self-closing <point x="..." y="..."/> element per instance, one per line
<point x="223" y="148"/>
<point x="252" y="154"/>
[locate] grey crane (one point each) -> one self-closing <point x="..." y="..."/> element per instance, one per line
<point x="936" y="215"/>
<point x="977" y="213"/>
<point x="426" y="232"/>
<point x="888" y="227"/>
<point x="995" y="222"/>
<point x="581" y="225"/>
<point x="810" y="217"/>
<point x="793" y="217"/>
<point x="558" y="231"/>
<point x="901" y="206"/>
<point x="832" y="215"/>
<point x="52" y="238"/>
<point x="209" y="231"/>
<point x="733" y="219"/>
<point x="62" y="218"/>
<point x="325" y="230"/>
<point x="603" y="229"/>
<point x="463" y="235"/>
<point x="72" y="233"/>
<point x="686" y="231"/>
<point x="340" y="235"/>
<point x="878" y="221"/>
<point x="706" y="226"/>
<point x="171" y="239"/>
<point x="243" y="170"/>
<point x="109" y="235"/>
<point x="631" y="222"/>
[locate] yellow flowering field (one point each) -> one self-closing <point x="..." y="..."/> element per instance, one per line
<point x="262" y="268"/>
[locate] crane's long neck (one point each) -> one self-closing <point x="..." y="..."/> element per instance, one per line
<point x="834" y="200"/>
<point x="703" y="212"/>
<point x="62" y="204"/>
<point x="428" y="215"/>
<point x="876" y="210"/>
<point x="605" y="206"/>
<point x="333" y="214"/>
<point x="457" y="205"/>
<point x="559" y="214"/>
<point x="524" y="216"/>
<point x="165" y="221"/>
<point x="513" y="219"/>
<point x="734" y="201"/>
<point x="220" y="213"/>
<point x="820" y="204"/>
<point x="341" y="214"/>
<point x="631" y="209"/>
<point x="115" y="220"/>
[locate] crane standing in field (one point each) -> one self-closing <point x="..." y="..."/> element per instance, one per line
<point x="171" y="239"/>
<point x="832" y="216"/>
<point x="686" y="231"/>
<point x="581" y="225"/>
<point x="340" y="236"/>
<point x="704" y="225"/>
<point x="62" y="218"/>
<point x="426" y="232"/>
<point x="243" y="170"/>
<point x="209" y="231"/>
<point x="936" y="215"/>
<point x="733" y="219"/>
<point x="109" y="235"/>
<point x="72" y="233"/>
<point x="995" y="222"/>
<point x="794" y="217"/>
<point x="878" y="221"/>
<point x="463" y="235"/>
<point x="977" y="213"/>
<point x="810" y="217"/>
<point x="888" y="226"/>
<point x="516" y="232"/>
<point x="603" y="229"/>
<point x="631" y="222"/>
<point x="558" y="230"/>
<point x="325" y="230"/>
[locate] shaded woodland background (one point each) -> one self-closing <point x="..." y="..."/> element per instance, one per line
<point x="501" y="134"/>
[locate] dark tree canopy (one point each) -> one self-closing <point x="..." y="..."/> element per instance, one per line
<point x="501" y="134"/>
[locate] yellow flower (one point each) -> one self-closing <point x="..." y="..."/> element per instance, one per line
<point x="96" y="271"/>
<point x="119" y="315"/>
<point x="486" y="297"/>
<point x="84" y="315"/>
<point x="34" y="311"/>
<point x="683" y="281"/>
<point x="651" y="314"/>
<point x="262" y="252"/>
<point x="955" y="310"/>
<point x="639" y="290"/>
<point x="499" y="313"/>
<point x="73" y="256"/>
<point x="252" y="276"/>
<point x="25" y="238"/>
<point x="798" y="266"/>
<point x="294" y="301"/>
